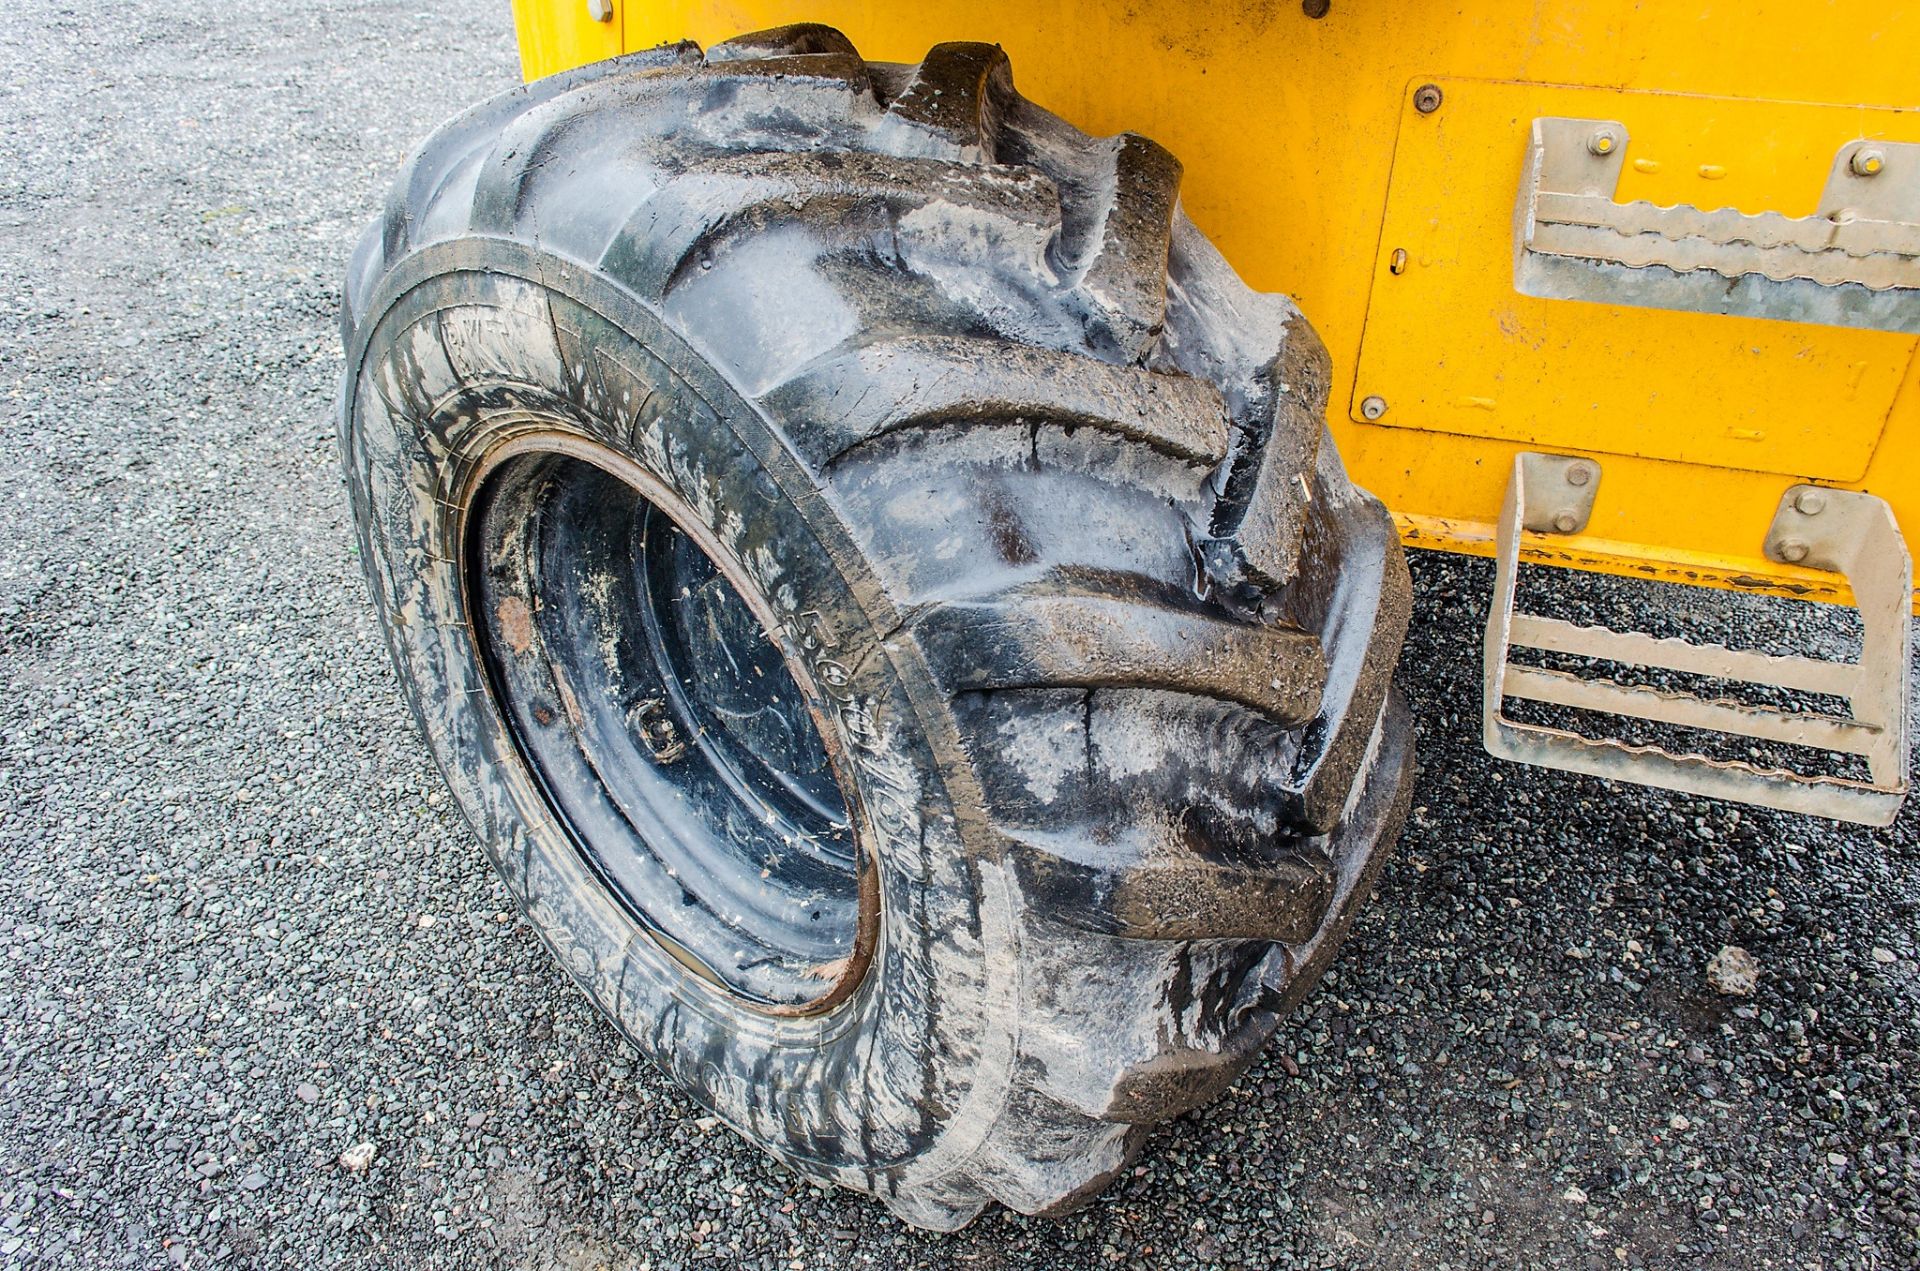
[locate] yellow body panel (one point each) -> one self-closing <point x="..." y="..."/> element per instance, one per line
<point x="554" y="36"/>
<point x="1308" y="165"/>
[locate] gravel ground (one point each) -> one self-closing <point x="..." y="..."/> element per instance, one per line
<point x="244" y="931"/>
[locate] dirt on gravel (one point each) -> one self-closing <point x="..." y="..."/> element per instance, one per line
<point x="244" y="932"/>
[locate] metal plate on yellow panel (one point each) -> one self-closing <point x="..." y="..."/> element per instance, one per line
<point x="1450" y="346"/>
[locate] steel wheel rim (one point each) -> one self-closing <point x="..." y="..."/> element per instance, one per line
<point x="726" y="824"/>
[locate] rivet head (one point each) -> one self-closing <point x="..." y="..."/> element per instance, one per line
<point x="1565" y="522"/>
<point x="1373" y="407"/>
<point x="1868" y="162"/>
<point x="1809" y="502"/>
<point x="1579" y="474"/>
<point x="1793" y="551"/>
<point x="1603" y="142"/>
<point x="1426" y="98"/>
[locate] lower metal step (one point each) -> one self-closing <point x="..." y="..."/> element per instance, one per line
<point x="1841" y="531"/>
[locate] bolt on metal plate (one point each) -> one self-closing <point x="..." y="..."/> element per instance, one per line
<point x="1560" y="492"/>
<point x="1816" y="527"/>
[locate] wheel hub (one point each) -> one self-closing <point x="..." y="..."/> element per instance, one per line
<point x="667" y="724"/>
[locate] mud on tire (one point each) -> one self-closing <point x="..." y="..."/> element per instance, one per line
<point x="1032" y="739"/>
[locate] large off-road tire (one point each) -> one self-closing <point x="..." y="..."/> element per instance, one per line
<point x="878" y="585"/>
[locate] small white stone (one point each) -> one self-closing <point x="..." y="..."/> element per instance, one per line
<point x="1574" y="1196"/>
<point x="356" y="1159"/>
<point x="1885" y="957"/>
<point x="1733" y="971"/>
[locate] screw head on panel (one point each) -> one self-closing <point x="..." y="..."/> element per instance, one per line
<point x="1603" y="142"/>
<point x="1809" y="502"/>
<point x="600" y="10"/>
<point x="1426" y="98"/>
<point x="1373" y="407"/>
<point x="1565" y="521"/>
<point x="1793" y="551"/>
<point x="1868" y="161"/>
<point x="1578" y="474"/>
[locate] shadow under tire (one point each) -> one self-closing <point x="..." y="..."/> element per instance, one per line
<point x="879" y="587"/>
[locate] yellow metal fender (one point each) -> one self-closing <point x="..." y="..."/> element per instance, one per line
<point x="1368" y="162"/>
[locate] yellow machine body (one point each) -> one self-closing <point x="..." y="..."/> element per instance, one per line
<point x="1368" y="162"/>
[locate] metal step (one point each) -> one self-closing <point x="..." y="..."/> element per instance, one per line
<point x="1841" y="531"/>
<point x="1855" y="262"/>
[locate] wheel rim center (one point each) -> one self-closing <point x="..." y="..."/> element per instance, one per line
<point x="668" y="726"/>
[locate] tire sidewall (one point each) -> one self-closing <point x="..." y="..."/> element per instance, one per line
<point x="470" y="343"/>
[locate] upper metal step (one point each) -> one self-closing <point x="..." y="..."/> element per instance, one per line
<point x="1855" y="262"/>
